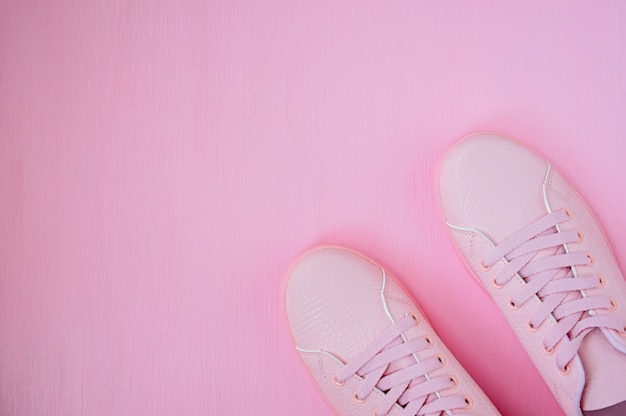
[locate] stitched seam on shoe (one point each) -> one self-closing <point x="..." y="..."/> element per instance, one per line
<point x="481" y="399"/>
<point x="559" y="393"/>
<point x="406" y="302"/>
<point x="549" y="185"/>
<point x="321" y="362"/>
<point x="472" y="236"/>
<point x="472" y="242"/>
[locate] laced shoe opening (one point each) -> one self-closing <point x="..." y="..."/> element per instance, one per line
<point x="555" y="275"/>
<point x="385" y="366"/>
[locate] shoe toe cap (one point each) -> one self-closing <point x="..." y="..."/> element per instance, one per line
<point x="490" y="182"/>
<point x="333" y="302"/>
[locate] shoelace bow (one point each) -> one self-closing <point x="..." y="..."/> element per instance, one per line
<point x="411" y="387"/>
<point x="555" y="281"/>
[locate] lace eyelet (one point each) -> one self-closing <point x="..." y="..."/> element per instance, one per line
<point x="622" y="333"/>
<point x="530" y="326"/>
<point x="356" y="398"/>
<point x="468" y="402"/>
<point x="565" y="371"/>
<point x="569" y="214"/>
<point x="547" y="351"/>
<point x="496" y="285"/>
<point x="581" y="237"/>
<point x="512" y="304"/>
<point x="613" y="306"/>
<point x="485" y="268"/>
<point x="414" y="316"/>
<point x="591" y="259"/>
<point x="601" y="285"/>
<point x="429" y="340"/>
<point x="454" y="381"/>
<point x="440" y="359"/>
<point x="337" y="382"/>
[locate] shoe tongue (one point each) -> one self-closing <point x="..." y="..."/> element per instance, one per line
<point x="548" y="252"/>
<point x="400" y="364"/>
<point x="405" y="362"/>
<point x="605" y="372"/>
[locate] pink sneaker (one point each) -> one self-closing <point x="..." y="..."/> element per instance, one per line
<point x="536" y="248"/>
<point x="368" y="346"/>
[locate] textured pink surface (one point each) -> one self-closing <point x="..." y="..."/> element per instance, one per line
<point x="162" y="163"/>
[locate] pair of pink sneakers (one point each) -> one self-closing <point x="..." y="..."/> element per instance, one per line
<point x="533" y="245"/>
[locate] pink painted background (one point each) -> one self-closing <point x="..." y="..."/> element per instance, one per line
<point x="162" y="164"/>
